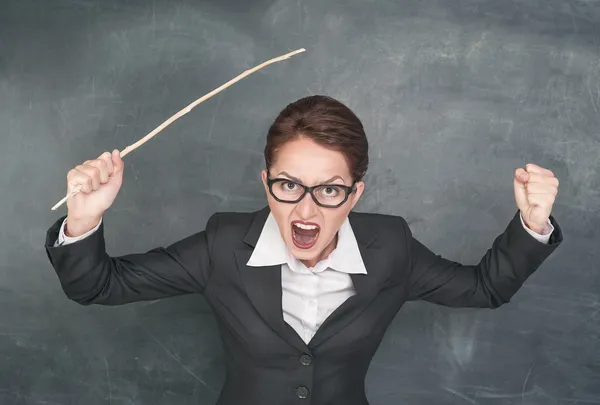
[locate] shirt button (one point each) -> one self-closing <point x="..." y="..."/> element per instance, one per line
<point x="312" y="303"/>
<point x="305" y="360"/>
<point x="302" y="392"/>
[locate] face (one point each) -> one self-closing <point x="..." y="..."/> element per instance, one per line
<point x="310" y="164"/>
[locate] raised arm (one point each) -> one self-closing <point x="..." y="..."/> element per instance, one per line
<point x="513" y="257"/>
<point x="88" y="275"/>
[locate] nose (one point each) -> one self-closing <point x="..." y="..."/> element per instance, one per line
<point x="306" y="208"/>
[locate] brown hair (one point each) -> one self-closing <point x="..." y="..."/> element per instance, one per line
<point x="327" y="122"/>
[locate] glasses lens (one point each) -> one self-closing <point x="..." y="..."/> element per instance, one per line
<point x="330" y="195"/>
<point x="287" y="190"/>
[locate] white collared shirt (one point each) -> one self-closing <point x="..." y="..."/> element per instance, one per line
<point x="309" y="296"/>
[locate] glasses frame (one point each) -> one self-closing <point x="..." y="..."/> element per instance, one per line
<point x="348" y="189"/>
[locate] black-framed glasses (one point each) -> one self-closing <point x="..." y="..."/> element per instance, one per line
<point x="324" y="195"/>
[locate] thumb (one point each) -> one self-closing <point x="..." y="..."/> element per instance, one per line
<point x="117" y="162"/>
<point x="521" y="175"/>
<point x="520" y="181"/>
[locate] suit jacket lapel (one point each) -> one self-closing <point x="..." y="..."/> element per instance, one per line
<point x="263" y="285"/>
<point x="366" y="286"/>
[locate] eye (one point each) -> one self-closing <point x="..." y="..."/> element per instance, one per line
<point x="288" y="186"/>
<point x="330" y="191"/>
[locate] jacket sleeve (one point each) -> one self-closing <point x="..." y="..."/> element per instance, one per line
<point x="514" y="256"/>
<point x="88" y="275"/>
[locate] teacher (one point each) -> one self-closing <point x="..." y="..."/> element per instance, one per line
<point x="304" y="289"/>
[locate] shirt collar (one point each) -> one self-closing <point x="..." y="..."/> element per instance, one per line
<point x="271" y="250"/>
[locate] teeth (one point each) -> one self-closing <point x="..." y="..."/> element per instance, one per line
<point x="305" y="226"/>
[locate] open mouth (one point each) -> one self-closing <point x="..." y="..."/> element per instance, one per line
<point x="305" y="234"/>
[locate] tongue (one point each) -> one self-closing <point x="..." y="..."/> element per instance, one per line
<point x="306" y="232"/>
<point x="304" y="239"/>
<point x="305" y="236"/>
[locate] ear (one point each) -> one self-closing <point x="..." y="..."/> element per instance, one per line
<point x="264" y="180"/>
<point x="355" y="196"/>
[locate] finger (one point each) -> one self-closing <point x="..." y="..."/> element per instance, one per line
<point x="92" y="172"/>
<point x="100" y="164"/>
<point x="78" y="179"/>
<point x="542" y="179"/>
<point x="533" y="168"/>
<point x="520" y="194"/>
<point x="106" y="157"/>
<point x="538" y="188"/>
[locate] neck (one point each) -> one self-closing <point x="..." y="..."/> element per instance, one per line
<point x="321" y="256"/>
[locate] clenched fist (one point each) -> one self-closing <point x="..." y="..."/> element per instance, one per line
<point x="535" y="191"/>
<point x="100" y="181"/>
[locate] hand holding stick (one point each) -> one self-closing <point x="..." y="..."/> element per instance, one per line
<point x="186" y="110"/>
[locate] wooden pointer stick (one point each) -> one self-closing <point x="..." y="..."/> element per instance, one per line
<point x="186" y="110"/>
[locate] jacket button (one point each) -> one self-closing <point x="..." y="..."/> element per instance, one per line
<point x="305" y="360"/>
<point x="302" y="392"/>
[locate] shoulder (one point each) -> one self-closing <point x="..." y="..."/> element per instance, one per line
<point x="388" y="237"/>
<point x="377" y="219"/>
<point x="383" y="226"/>
<point x="232" y="227"/>
<point x="230" y="221"/>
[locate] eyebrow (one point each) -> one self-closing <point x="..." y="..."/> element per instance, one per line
<point x="300" y="181"/>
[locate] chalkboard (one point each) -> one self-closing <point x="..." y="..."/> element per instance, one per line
<point x="454" y="96"/>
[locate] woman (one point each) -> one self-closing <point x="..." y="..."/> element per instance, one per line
<point x="304" y="289"/>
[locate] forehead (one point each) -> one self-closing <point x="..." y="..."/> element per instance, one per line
<point x="310" y="162"/>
